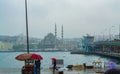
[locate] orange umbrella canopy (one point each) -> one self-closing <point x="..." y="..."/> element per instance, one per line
<point x="26" y="56"/>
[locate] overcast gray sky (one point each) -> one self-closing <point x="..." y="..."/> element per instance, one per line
<point x="79" y="17"/>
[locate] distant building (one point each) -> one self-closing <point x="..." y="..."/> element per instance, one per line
<point x="70" y="44"/>
<point x="87" y="43"/>
<point x="5" y="46"/>
<point x="48" y="42"/>
<point x="1" y="45"/>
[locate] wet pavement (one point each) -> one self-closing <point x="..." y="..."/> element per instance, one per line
<point x="48" y="71"/>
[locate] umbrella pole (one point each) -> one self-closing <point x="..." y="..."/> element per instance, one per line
<point x="27" y="26"/>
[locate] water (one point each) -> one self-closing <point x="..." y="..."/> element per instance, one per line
<point x="7" y="59"/>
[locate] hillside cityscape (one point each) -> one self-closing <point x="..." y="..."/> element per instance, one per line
<point x="18" y="43"/>
<point x="49" y="42"/>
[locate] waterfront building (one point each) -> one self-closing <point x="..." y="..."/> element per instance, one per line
<point x="5" y="46"/>
<point x="87" y="43"/>
<point x="1" y="45"/>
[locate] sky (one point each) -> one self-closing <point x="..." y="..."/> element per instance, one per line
<point x="78" y="17"/>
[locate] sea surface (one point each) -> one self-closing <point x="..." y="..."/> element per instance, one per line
<point x="8" y="61"/>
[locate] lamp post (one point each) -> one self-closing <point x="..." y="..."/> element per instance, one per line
<point x="104" y="34"/>
<point x="26" y="16"/>
<point x="110" y="32"/>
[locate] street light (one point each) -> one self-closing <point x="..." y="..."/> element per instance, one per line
<point x="103" y="35"/>
<point x="27" y="26"/>
<point x="110" y="32"/>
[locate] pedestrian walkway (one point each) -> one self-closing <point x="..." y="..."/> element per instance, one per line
<point x="87" y="71"/>
<point x="48" y="71"/>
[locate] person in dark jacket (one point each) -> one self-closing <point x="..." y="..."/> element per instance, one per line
<point x="54" y="66"/>
<point x="37" y="63"/>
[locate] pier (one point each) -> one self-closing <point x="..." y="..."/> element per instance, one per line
<point x="114" y="56"/>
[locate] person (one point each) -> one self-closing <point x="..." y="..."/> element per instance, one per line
<point x="112" y="71"/>
<point x="84" y="64"/>
<point x="37" y="65"/>
<point x="54" y="66"/>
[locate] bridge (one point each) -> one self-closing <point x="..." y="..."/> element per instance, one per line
<point x="109" y="49"/>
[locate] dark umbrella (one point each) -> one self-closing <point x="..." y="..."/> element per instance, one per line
<point x="112" y="71"/>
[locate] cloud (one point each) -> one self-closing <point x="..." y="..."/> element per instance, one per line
<point x="78" y="16"/>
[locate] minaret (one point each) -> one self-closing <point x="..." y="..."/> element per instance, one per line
<point x="55" y="35"/>
<point x="62" y="32"/>
<point x="62" y="45"/>
<point x="55" y="31"/>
